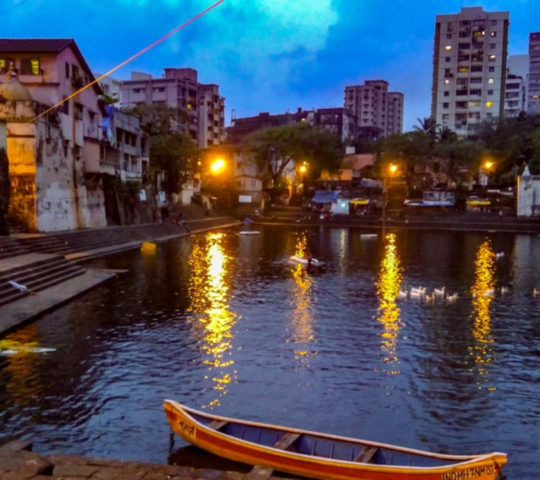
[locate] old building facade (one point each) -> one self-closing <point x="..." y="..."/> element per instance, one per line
<point x="53" y="156"/>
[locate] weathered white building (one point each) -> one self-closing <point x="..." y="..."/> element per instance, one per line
<point x="54" y="158"/>
<point x="528" y="195"/>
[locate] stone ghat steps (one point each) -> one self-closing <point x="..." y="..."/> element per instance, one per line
<point x="36" y="276"/>
<point x="10" y="248"/>
<point x="85" y="240"/>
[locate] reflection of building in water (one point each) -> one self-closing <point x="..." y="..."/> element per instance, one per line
<point x="23" y="381"/>
<point x="482" y="292"/>
<point x="302" y="317"/>
<point x="213" y="320"/>
<point x="388" y="291"/>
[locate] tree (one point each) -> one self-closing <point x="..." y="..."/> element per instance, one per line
<point x="429" y="126"/>
<point x="407" y="150"/>
<point x="176" y="155"/>
<point x="159" y="119"/>
<point x="171" y="151"/>
<point x="277" y="148"/>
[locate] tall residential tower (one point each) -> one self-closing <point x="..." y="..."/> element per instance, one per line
<point x="533" y="101"/>
<point x="378" y="112"/>
<point x="469" y="68"/>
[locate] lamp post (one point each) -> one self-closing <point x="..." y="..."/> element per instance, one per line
<point x="392" y="170"/>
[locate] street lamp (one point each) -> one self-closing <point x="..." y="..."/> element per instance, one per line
<point x="217" y="166"/>
<point x="392" y="170"/>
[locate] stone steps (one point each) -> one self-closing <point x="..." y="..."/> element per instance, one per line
<point x="36" y="276"/>
<point x="10" y="247"/>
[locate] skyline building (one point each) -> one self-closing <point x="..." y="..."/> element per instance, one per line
<point x="533" y="93"/>
<point x="469" y="68"/>
<point x="179" y="87"/>
<point x="379" y="113"/>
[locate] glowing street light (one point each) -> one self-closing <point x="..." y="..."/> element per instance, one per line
<point x="303" y="169"/>
<point x="392" y="170"/>
<point x="488" y="165"/>
<point x="217" y="166"/>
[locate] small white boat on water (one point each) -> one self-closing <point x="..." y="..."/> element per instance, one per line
<point x="249" y="232"/>
<point x="305" y="261"/>
<point x="368" y="236"/>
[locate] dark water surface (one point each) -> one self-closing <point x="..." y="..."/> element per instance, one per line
<point x="226" y="323"/>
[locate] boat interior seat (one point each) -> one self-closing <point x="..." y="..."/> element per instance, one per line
<point x="216" y="425"/>
<point x="286" y="441"/>
<point x="366" y="454"/>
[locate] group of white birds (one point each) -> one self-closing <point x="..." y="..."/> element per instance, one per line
<point x="420" y="293"/>
<point x="440" y="294"/>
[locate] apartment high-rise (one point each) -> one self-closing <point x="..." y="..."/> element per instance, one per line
<point x="377" y="110"/>
<point x="533" y="100"/>
<point x="179" y="87"/>
<point x="469" y="68"/>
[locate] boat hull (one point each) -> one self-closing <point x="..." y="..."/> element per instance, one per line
<point x="482" y="467"/>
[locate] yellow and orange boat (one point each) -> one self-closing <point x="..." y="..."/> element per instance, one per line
<point x="323" y="456"/>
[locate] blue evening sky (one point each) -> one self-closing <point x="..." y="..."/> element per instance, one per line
<point x="266" y="55"/>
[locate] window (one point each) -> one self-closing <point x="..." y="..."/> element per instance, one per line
<point x="67" y="69"/>
<point x="476" y="91"/>
<point x="489" y="104"/>
<point x="137" y="90"/>
<point x="448" y="48"/>
<point x="447" y="93"/>
<point x="493" y="23"/>
<point x="476" y="80"/>
<point x="491" y="80"/>
<point x="461" y="104"/>
<point x="492" y="46"/>
<point x="493" y="34"/>
<point x="5" y="63"/>
<point x="253" y="183"/>
<point x="464" y="23"/>
<point x="464" y="46"/>
<point x="492" y="58"/>
<point x="463" y="69"/>
<point x="476" y="68"/>
<point x="445" y="105"/>
<point x="30" y="66"/>
<point x="490" y="92"/>
<point x="447" y="82"/>
<point x="448" y="36"/>
<point x="449" y="26"/>
<point x="464" y="34"/>
<point x="448" y="59"/>
<point x="489" y="115"/>
<point x="474" y="104"/>
<point x="74" y="71"/>
<point x="491" y="69"/>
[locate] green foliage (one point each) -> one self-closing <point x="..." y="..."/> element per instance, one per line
<point x="159" y="119"/>
<point x="406" y="150"/>
<point x="275" y="149"/>
<point x="176" y="155"/>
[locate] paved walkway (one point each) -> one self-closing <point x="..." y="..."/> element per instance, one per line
<point x="17" y="462"/>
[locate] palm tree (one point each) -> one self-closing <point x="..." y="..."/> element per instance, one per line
<point x="446" y="135"/>
<point x="429" y="126"/>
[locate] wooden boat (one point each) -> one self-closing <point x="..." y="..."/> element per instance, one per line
<point x="305" y="261"/>
<point x="322" y="456"/>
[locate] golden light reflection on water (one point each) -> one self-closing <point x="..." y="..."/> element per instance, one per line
<point x="210" y="294"/>
<point x="21" y="365"/>
<point x="482" y="292"/>
<point x="388" y="288"/>
<point x="302" y="317"/>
